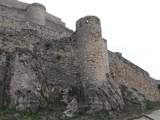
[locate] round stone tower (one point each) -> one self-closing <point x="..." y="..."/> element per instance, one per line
<point x="36" y="13"/>
<point x="91" y="50"/>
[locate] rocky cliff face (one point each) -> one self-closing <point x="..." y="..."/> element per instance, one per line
<point x="42" y="64"/>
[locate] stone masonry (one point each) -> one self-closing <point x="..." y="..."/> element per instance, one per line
<point x="42" y="62"/>
<point x="125" y="72"/>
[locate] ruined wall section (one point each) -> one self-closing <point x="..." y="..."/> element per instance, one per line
<point x="13" y="3"/>
<point x="36" y="52"/>
<point x="30" y="12"/>
<point x="13" y="26"/>
<point x="15" y="13"/>
<point x="58" y="59"/>
<point x="21" y="39"/>
<point x="127" y="73"/>
<point x="48" y="66"/>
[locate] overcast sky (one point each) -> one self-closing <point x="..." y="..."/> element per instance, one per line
<point x="130" y="26"/>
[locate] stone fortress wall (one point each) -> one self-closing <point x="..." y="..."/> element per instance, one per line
<point x="36" y="46"/>
<point x="129" y="74"/>
<point x="23" y="11"/>
<point x="21" y="30"/>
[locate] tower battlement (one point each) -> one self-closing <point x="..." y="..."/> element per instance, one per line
<point x="36" y="13"/>
<point x="91" y="22"/>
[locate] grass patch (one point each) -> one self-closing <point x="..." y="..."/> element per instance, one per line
<point x="12" y="114"/>
<point x="150" y="105"/>
<point x="51" y="114"/>
<point x="56" y="113"/>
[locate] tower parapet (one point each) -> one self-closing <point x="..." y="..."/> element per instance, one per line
<point x="36" y="13"/>
<point x="90" y="23"/>
<point x="91" y="51"/>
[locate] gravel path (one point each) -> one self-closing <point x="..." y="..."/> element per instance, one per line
<point x="155" y="115"/>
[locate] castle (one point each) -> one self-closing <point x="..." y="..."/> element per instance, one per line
<point x="43" y="62"/>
